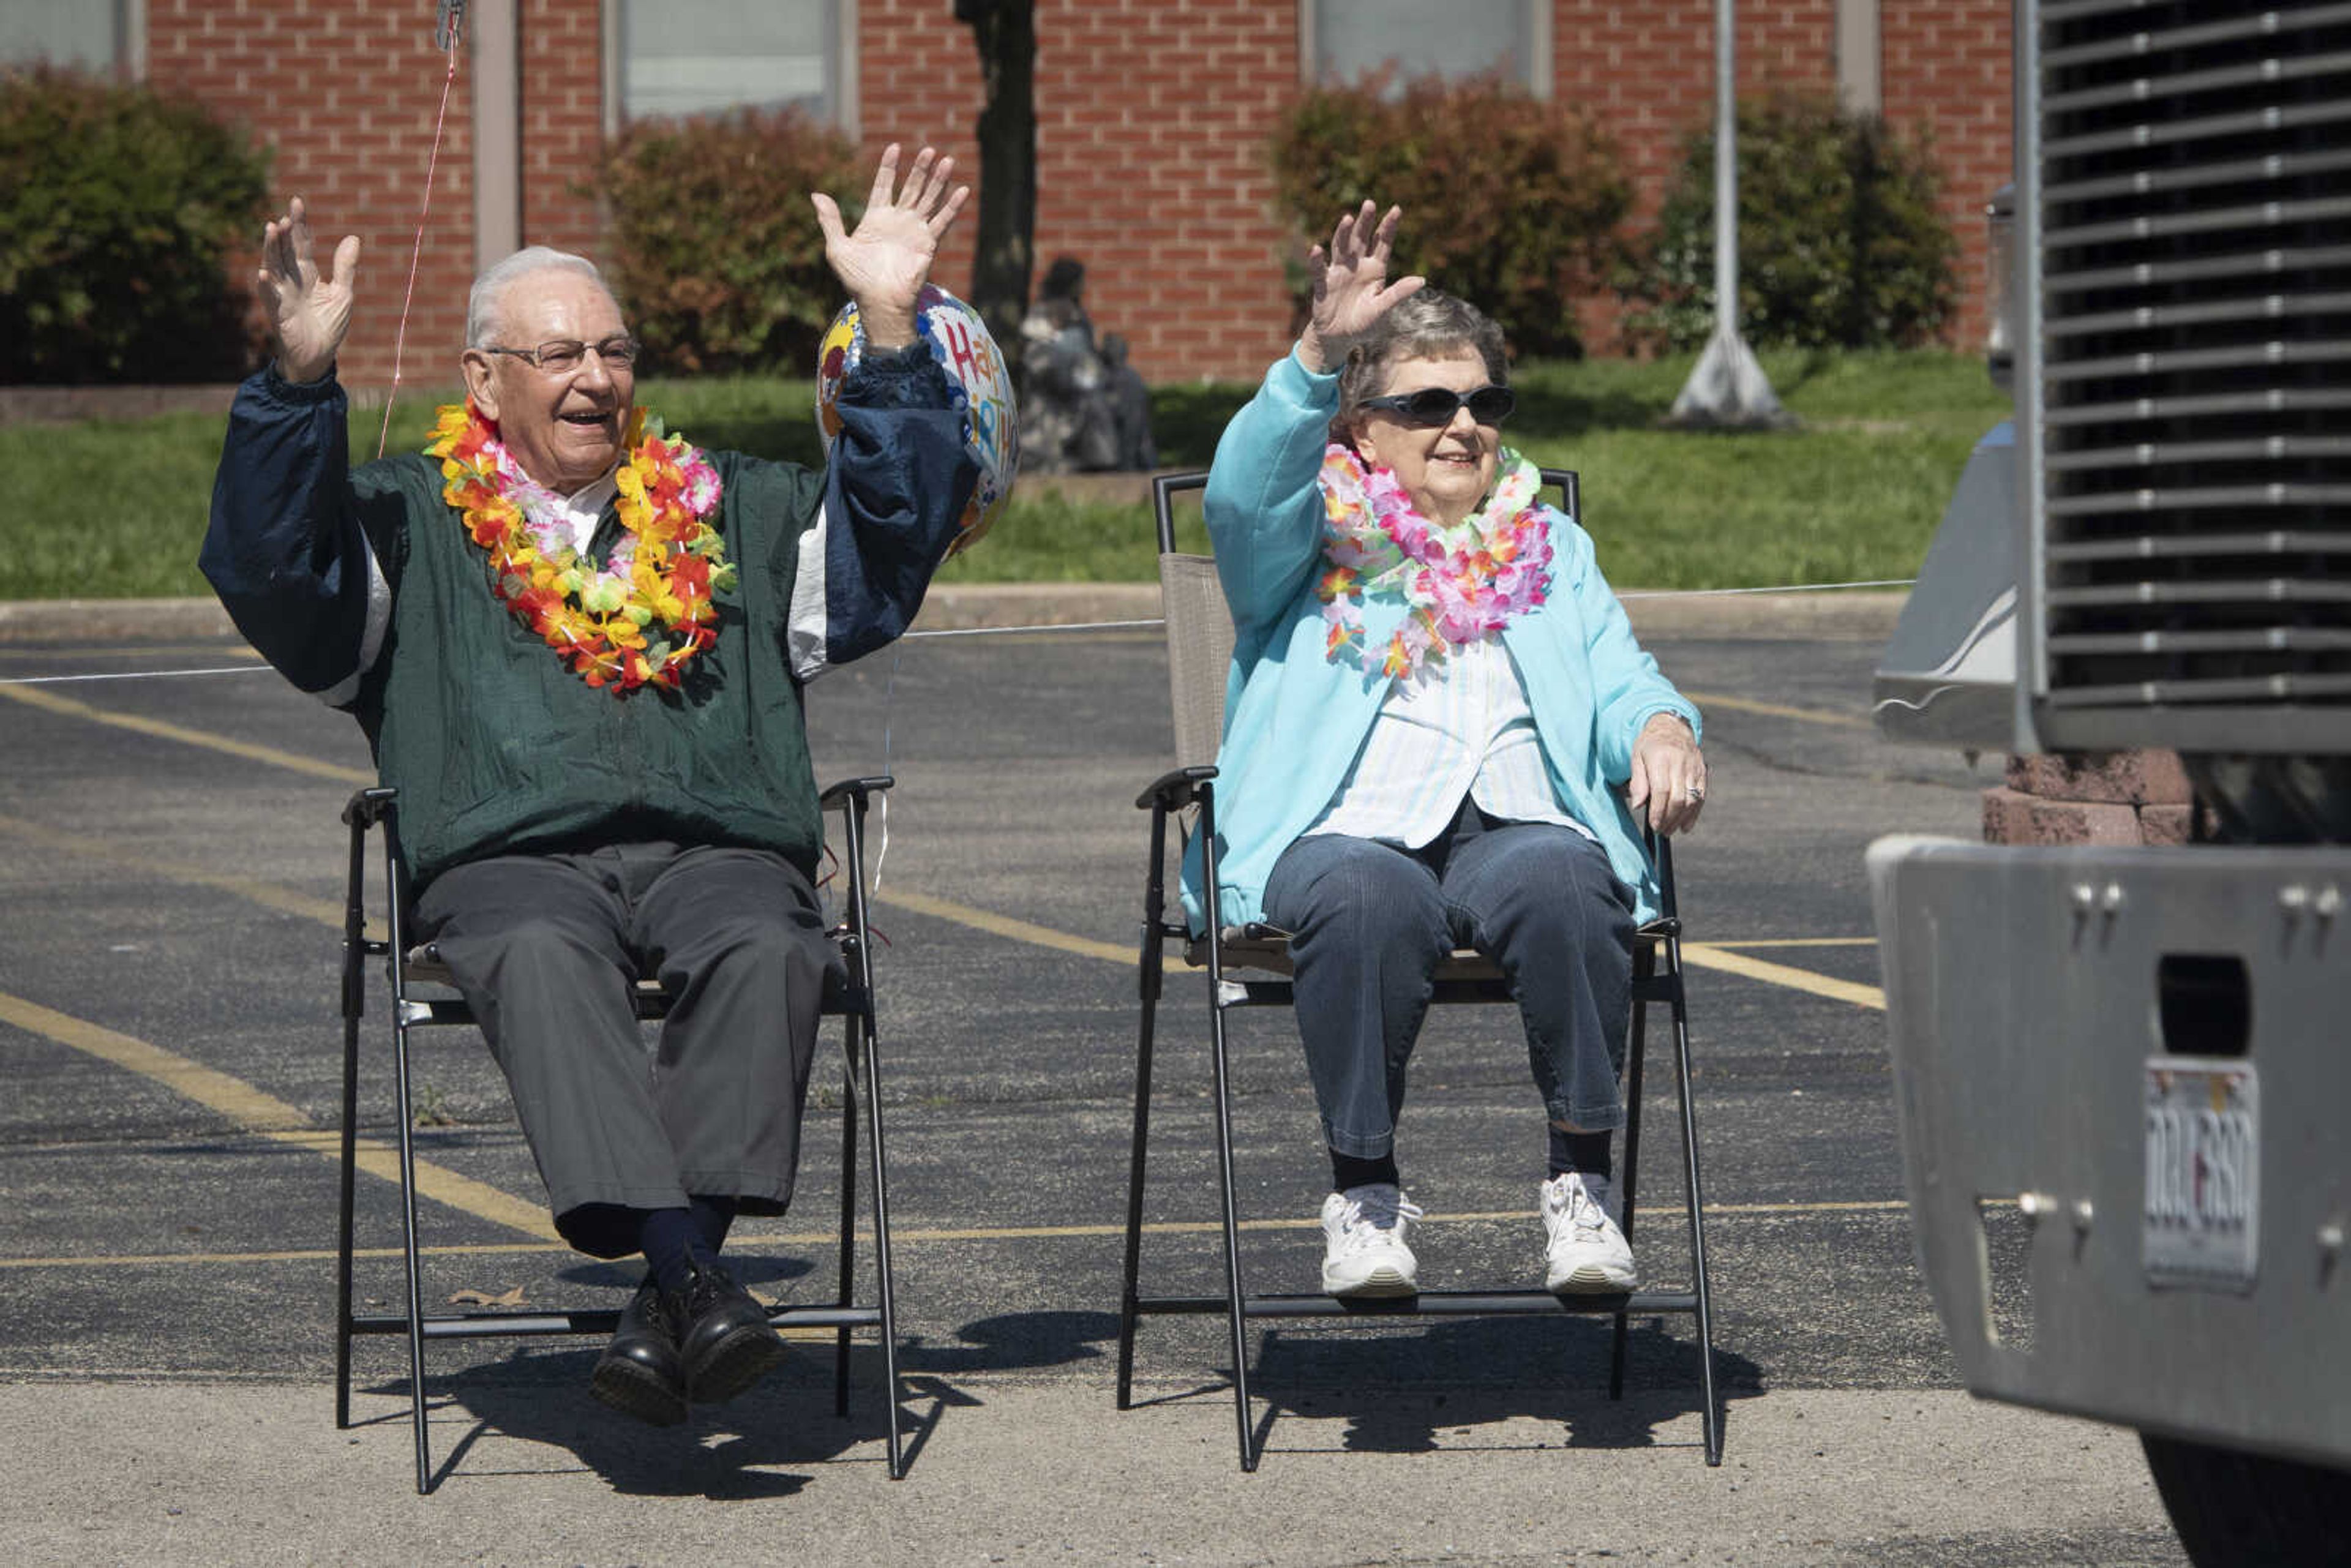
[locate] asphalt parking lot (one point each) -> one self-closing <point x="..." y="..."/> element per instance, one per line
<point x="172" y="866"/>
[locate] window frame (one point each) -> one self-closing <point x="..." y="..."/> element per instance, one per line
<point x="1540" y="70"/>
<point x="128" y="21"/>
<point x="843" y="67"/>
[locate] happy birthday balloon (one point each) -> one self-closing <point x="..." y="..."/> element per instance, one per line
<point x="977" y="379"/>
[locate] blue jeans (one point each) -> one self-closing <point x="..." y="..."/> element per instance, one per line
<point x="1369" y="922"/>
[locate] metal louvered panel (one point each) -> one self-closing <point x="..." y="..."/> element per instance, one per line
<point x="2190" y="359"/>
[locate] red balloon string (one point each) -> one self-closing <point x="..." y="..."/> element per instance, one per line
<point x="455" y="26"/>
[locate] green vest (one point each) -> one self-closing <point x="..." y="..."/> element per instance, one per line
<point x="497" y="747"/>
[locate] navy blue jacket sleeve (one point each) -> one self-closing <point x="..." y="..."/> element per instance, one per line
<point x="899" y="480"/>
<point x="286" y="548"/>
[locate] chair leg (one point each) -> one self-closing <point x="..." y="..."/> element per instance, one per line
<point x="1232" y="1233"/>
<point x="1712" y="1414"/>
<point x="1636" y="1043"/>
<point x="354" y="1006"/>
<point x="848" y="1275"/>
<point x="1128" y="1319"/>
<point x="1211" y="898"/>
<point x="885" y="1285"/>
<point x="401" y="1109"/>
<point x="344" y="1213"/>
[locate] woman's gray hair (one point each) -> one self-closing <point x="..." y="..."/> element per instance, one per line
<point x="482" y="305"/>
<point x="1429" y="325"/>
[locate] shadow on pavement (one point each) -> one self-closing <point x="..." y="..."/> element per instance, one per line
<point x="757" y="1444"/>
<point x="1400" y="1393"/>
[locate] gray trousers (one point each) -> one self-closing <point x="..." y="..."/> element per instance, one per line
<point x="544" y="949"/>
<point x="1369" y="922"/>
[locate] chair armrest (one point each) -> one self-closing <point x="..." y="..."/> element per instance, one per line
<point x="1173" y="791"/>
<point x="366" y="806"/>
<point x="856" y="789"/>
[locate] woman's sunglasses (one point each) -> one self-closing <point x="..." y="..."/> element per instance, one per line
<point x="1437" y="406"/>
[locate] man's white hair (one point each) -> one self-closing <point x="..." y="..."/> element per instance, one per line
<point x="482" y="321"/>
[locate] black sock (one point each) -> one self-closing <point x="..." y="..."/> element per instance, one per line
<point x="1586" y="1152"/>
<point x="711" y="1216"/>
<point x="1347" y="1170"/>
<point x="668" y="1240"/>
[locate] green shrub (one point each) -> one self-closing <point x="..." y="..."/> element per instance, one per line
<point x="716" y="252"/>
<point x="1841" y="243"/>
<point x="119" y="208"/>
<point x="1510" y="202"/>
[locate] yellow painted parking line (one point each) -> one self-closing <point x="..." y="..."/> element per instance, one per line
<point x="741" y="1242"/>
<point x="1705" y="700"/>
<point x="269" y="895"/>
<point x="35" y="696"/>
<point x="1703" y="955"/>
<point x="1003" y="925"/>
<point x="1745" y="942"/>
<point x="258" y="1111"/>
<point x="1697" y="954"/>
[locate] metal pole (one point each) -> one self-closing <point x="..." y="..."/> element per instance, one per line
<point x="1726" y="170"/>
<point x="1727" y="389"/>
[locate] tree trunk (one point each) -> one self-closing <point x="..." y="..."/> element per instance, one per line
<point x="1006" y="34"/>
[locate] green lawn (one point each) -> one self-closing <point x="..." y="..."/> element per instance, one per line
<point x="115" y="509"/>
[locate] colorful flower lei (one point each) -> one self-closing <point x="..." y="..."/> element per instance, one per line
<point x="637" y="619"/>
<point x="1461" y="584"/>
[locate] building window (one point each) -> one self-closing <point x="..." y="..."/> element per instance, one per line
<point x="1349" y="39"/>
<point x="65" y="33"/>
<point x="705" y="57"/>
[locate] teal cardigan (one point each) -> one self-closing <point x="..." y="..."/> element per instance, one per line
<point x="1295" y="720"/>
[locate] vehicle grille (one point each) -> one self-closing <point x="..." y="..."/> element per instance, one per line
<point x="2195" y="368"/>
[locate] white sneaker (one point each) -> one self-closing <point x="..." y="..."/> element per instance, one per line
<point x="1588" y="1256"/>
<point x="1363" y="1252"/>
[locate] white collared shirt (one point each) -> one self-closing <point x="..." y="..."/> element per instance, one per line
<point x="1463" y="727"/>
<point x="585" y="504"/>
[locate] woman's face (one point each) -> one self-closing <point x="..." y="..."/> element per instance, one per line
<point x="1447" y="468"/>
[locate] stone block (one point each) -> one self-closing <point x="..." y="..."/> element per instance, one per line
<point x="2165" y="824"/>
<point x="2115" y="777"/>
<point x="2010" y="816"/>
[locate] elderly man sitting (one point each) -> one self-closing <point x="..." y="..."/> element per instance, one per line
<point x="577" y="652"/>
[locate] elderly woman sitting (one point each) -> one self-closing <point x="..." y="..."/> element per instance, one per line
<point x="1442" y="733"/>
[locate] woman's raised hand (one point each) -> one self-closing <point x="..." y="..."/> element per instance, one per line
<point x="1351" y="288"/>
<point x="310" y="310"/>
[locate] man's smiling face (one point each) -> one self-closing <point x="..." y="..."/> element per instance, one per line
<point x="565" y="429"/>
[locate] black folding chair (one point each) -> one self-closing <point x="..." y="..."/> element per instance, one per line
<point x="849" y="996"/>
<point x="1199" y="648"/>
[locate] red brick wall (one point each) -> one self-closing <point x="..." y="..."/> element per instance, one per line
<point x="1947" y="62"/>
<point x="345" y="92"/>
<point x="918" y="83"/>
<point x="1152" y="117"/>
<point x="562" y="121"/>
<point x="1151" y="120"/>
<point x="1646" y="69"/>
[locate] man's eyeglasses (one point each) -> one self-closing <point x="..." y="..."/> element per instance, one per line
<point x="1437" y="405"/>
<point x="564" y="355"/>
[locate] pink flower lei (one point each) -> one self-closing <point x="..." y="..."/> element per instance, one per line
<point x="1461" y="584"/>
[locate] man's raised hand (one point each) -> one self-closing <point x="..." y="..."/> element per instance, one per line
<point x="887" y="261"/>
<point x="1351" y="288"/>
<point x="310" y="312"/>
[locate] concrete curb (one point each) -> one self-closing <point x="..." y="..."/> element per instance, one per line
<point x="1859" y="615"/>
